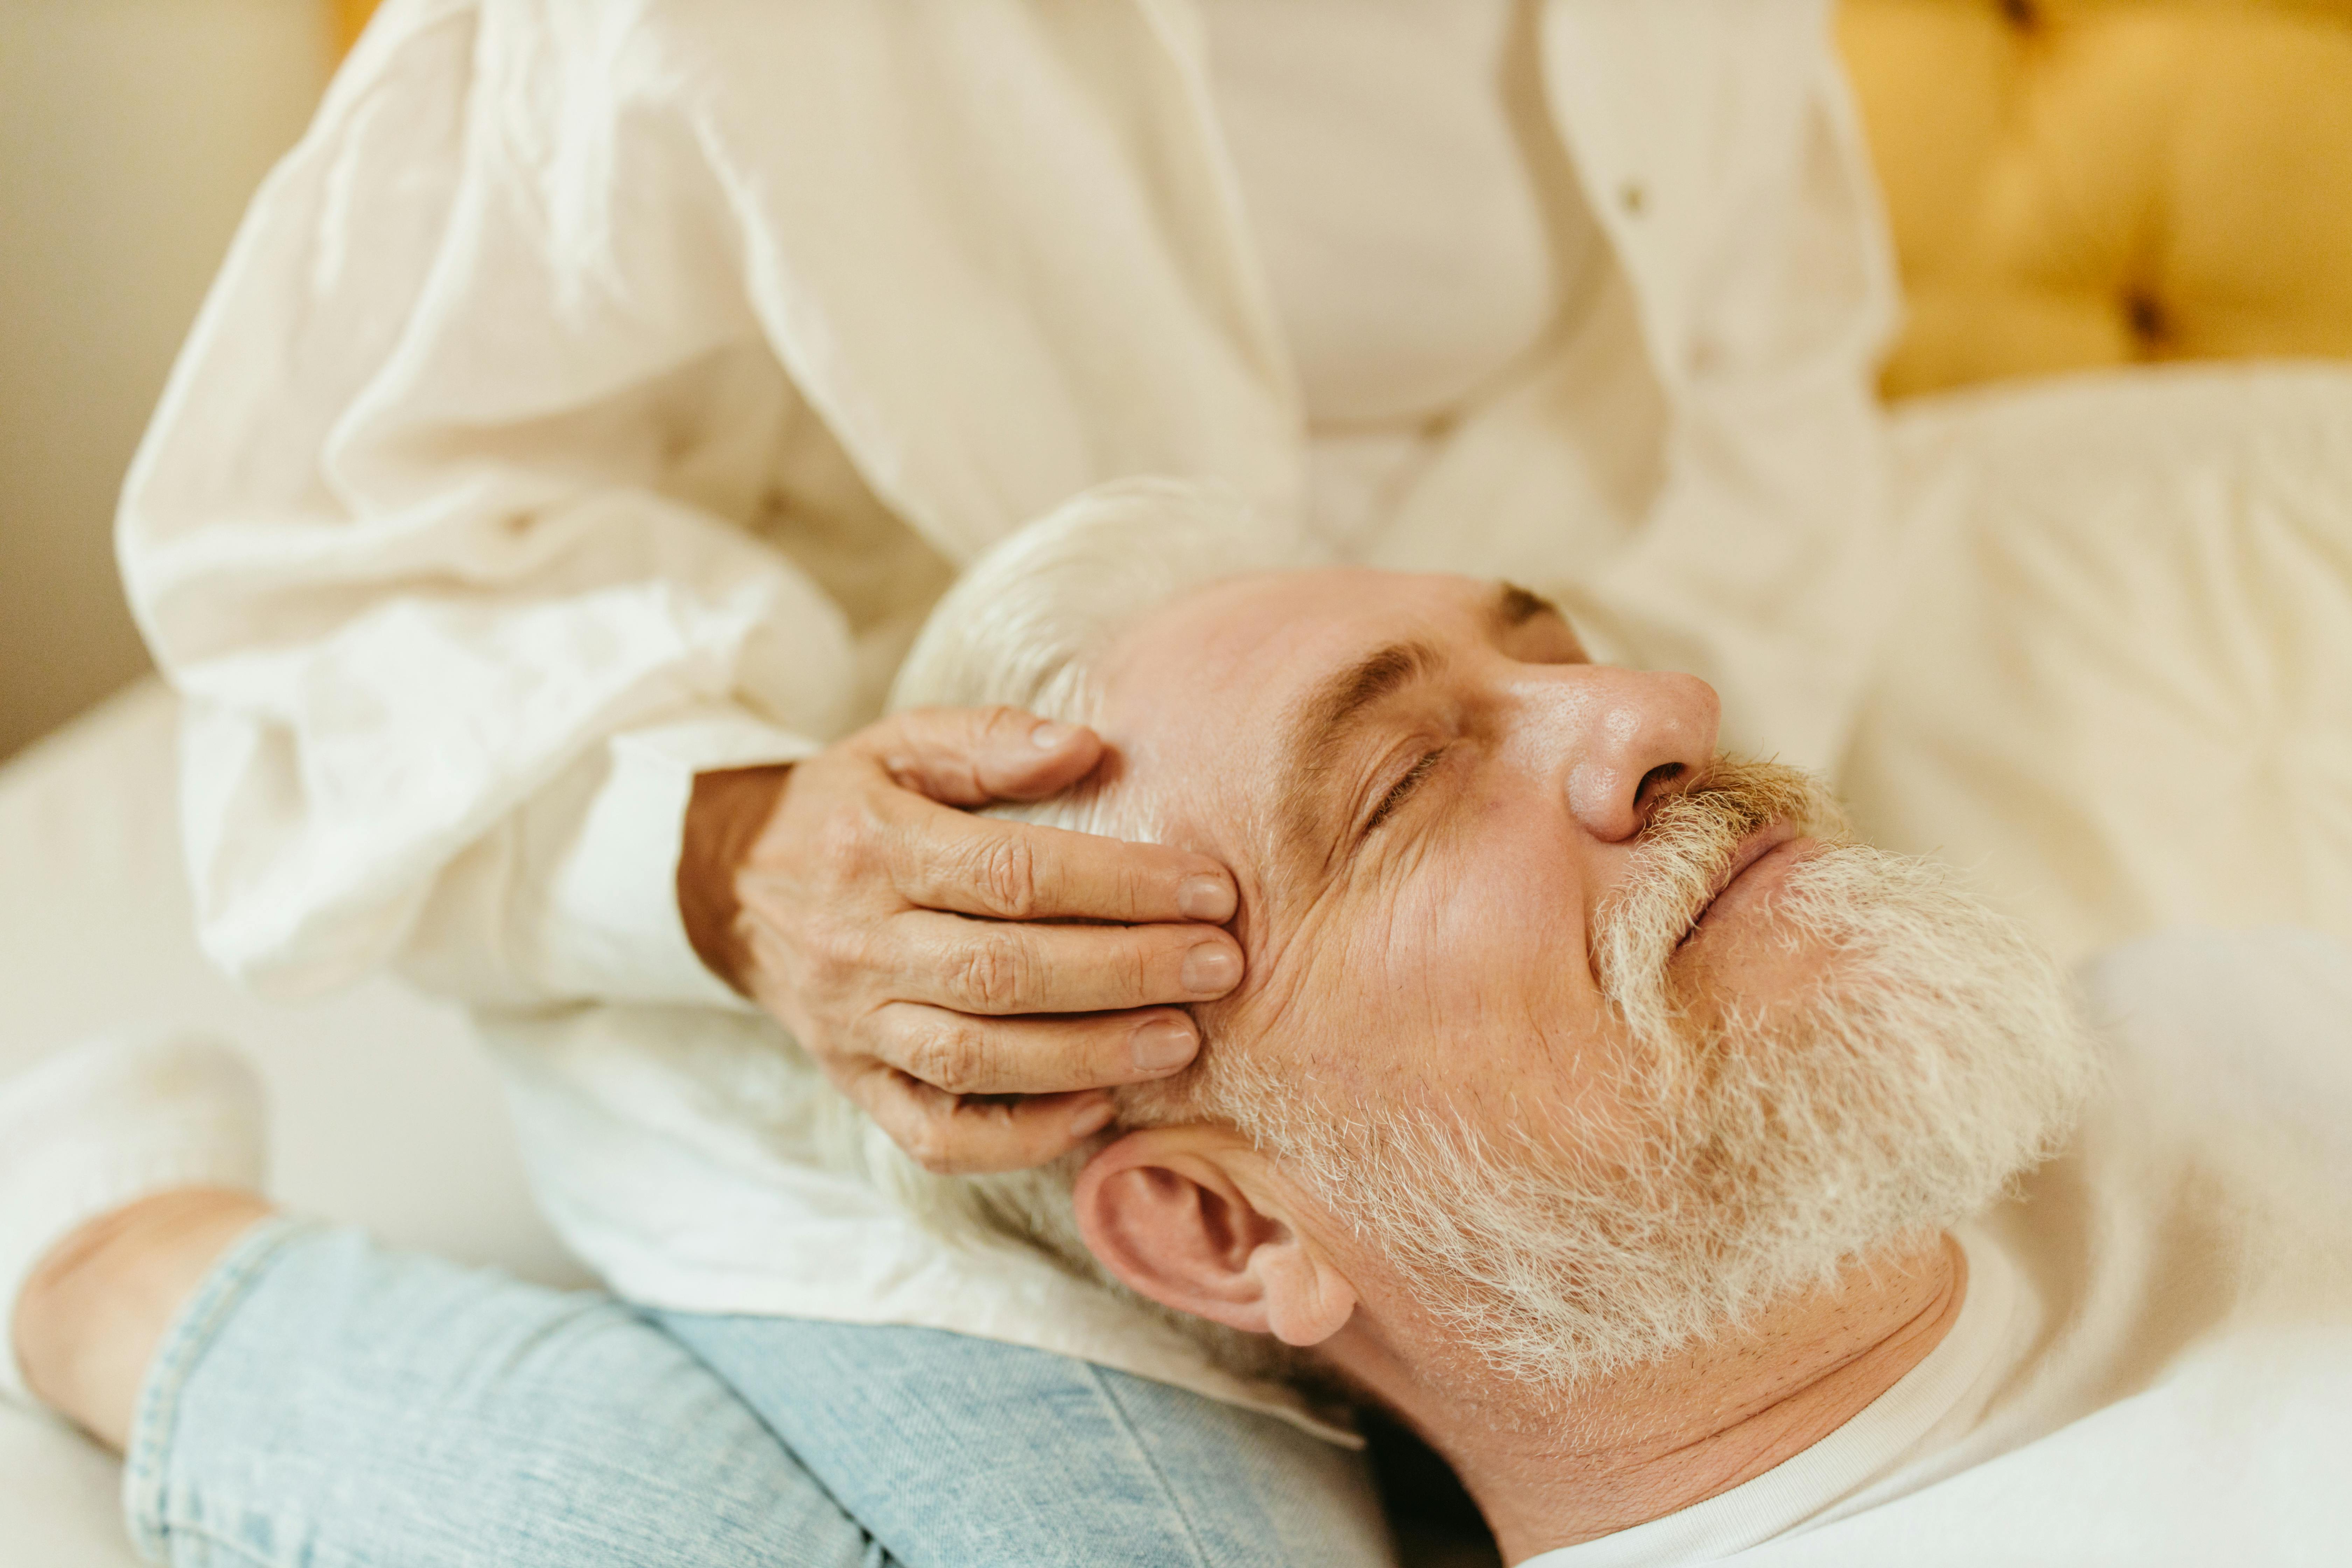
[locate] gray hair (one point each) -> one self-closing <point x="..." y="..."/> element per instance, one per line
<point x="1027" y="626"/>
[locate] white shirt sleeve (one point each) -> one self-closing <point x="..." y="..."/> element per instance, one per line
<point x="444" y="529"/>
<point x="1722" y="154"/>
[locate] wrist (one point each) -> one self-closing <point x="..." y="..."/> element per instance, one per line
<point x="724" y="818"/>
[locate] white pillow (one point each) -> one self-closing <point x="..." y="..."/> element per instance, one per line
<point x="2118" y="684"/>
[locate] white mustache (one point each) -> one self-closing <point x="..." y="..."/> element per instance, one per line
<point x="1678" y="867"/>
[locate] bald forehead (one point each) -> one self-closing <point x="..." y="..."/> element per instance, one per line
<point x="1245" y="643"/>
<point x="1192" y="698"/>
<point x="1228" y="704"/>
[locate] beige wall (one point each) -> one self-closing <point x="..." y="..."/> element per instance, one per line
<point x="131" y="133"/>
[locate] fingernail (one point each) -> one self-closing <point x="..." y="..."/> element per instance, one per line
<point x="1207" y="898"/>
<point x="1049" y="737"/>
<point x="1093" y="1119"/>
<point x="1211" y="970"/>
<point x="1162" y="1045"/>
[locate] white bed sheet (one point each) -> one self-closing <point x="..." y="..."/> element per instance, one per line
<point x="2116" y="689"/>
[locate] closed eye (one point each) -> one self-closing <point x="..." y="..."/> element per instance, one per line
<point x="1402" y="789"/>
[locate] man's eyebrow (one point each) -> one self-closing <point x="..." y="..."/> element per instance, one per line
<point x="1331" y="712"/>
<point x="1515" y="607"/>
<point x="1329" y="715"/>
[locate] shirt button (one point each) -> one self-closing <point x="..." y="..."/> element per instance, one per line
<point x="1634" y="196"/>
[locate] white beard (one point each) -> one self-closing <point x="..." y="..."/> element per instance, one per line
<point x="1932" y="1059"/>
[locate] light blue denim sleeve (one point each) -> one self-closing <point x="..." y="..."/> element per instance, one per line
<point x="955" y="1451"/>
<point x="323" y="1403"/>
<point x="326" y="1404"/>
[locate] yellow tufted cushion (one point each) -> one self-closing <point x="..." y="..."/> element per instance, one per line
<point x="2077" y="182"/>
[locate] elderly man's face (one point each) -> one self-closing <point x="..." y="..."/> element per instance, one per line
<point x="1427" y="794"/>
<point x="1564" y="1027"/>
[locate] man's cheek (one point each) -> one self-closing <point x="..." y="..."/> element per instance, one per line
<point x="1433" y="980"/>
<point x="1508" y="913"/>
<point x="1522" y="853"/>
<point x="1359" y="996"/>
<point x="1310" y="1006"/>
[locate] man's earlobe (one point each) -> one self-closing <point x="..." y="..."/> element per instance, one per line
<point x="1191" y="1217"/>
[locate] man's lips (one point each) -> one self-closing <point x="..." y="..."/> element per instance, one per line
<point x="1751" y="849"/>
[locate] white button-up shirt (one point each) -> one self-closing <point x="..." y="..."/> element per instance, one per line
<point x="598" y="394"/>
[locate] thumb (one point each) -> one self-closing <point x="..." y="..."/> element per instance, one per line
<point x="972" y="756"/>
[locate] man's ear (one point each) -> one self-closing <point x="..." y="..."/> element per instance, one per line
<point x="1194" y="1218"/>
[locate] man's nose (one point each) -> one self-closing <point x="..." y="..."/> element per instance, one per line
<point x="1643" y="735"/>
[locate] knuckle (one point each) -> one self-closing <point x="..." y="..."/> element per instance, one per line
<point x="956" y="1057"/>
<point x="994" y="722"/>
<point x="1150" y="969"/>
<point x="1137" y="885"/>
<point x="843" y="841"/>
<point x="994" y="974"/>
<point x="1004" y="872"/>
<point x="836" y="956"/>
<point x="920" y="1120"/>
<point x="931" y="1143"/>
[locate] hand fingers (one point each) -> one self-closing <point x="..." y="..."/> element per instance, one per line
<point x="1019" y="871"/>
<point x="959" y="1135"/>
<point x="966" y="1053"/>
<point x="1004" y="966"/>
<point x="970" y="756"/>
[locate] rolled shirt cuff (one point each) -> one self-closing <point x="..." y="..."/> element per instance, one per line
<point x="615" y="931"/>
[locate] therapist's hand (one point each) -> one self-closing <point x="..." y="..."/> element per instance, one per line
<point x="917" y="951"/>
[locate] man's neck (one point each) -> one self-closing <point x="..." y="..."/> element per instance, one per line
<point x="1669" y="1435"/>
